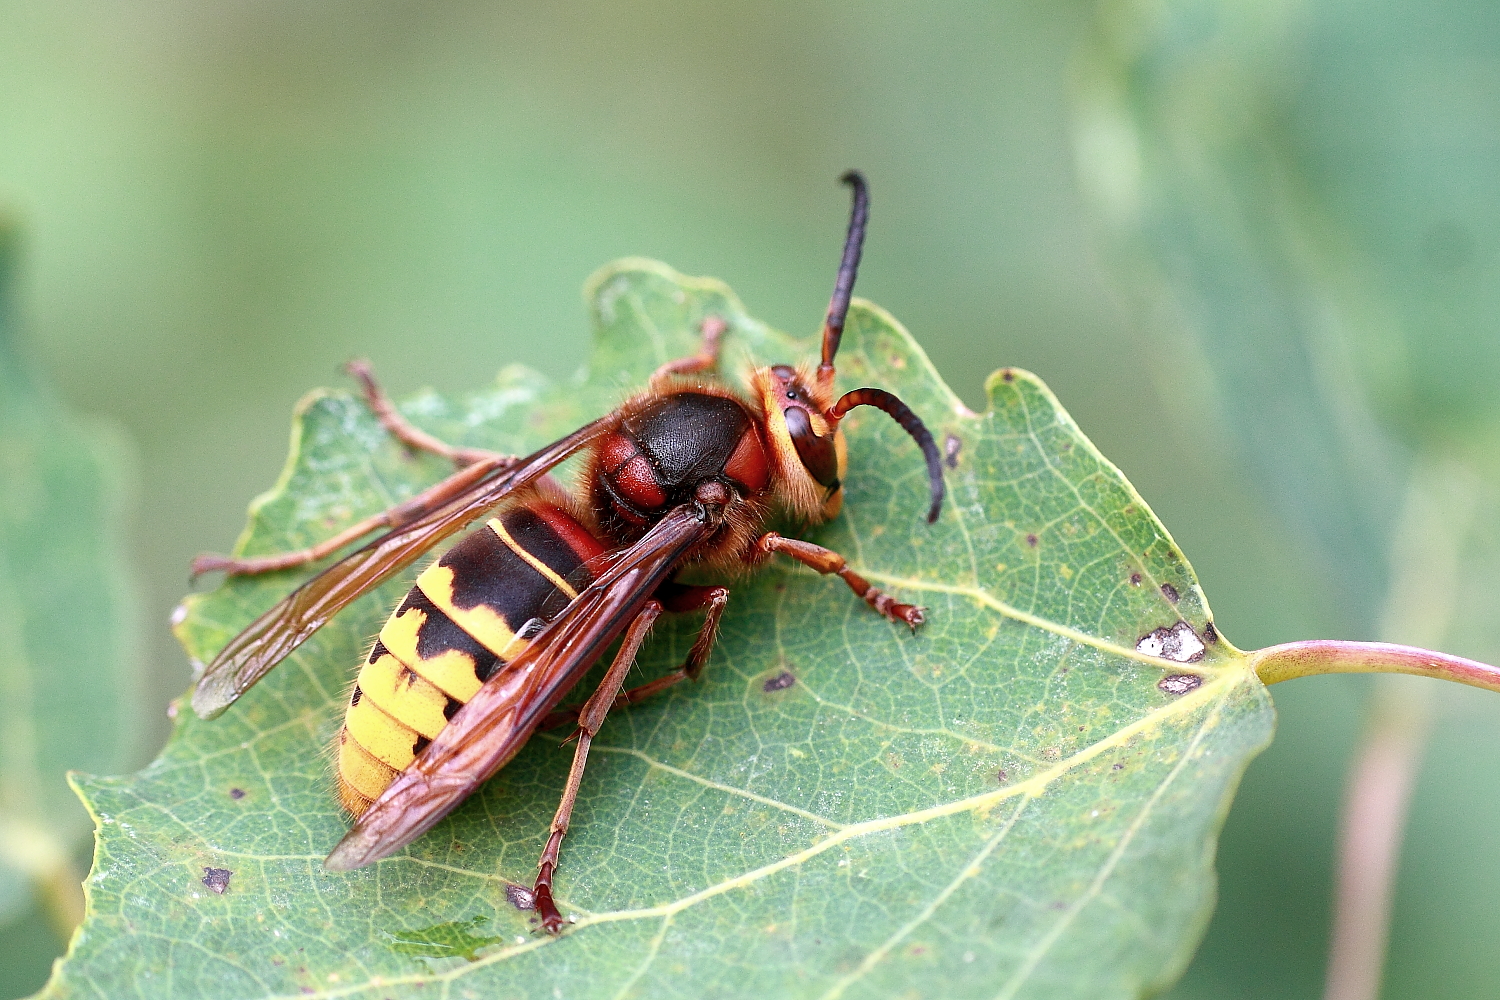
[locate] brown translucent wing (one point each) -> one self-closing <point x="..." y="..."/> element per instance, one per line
<point x="489" y="730"/>
<point x="271" y="637"/>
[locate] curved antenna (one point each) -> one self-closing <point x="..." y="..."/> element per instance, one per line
<point x="911" y="423"/>
<point x="843" y="285"/>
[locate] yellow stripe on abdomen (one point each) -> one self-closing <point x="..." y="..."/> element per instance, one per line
<point x="481" y="621"/>
<point x="452" y="670"/>
<point x="548" y="573"/>
<point x="403" y="694"/>
<point x="455" y="629"/>
<point x="388" y="741"/>
<point x="361" y="777"/>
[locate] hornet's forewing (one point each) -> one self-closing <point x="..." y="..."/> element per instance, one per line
<point x="271" y="637"/>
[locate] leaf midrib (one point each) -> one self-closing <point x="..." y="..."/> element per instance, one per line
<point x="984" y="597"/>
<point x="1210" y="697"/>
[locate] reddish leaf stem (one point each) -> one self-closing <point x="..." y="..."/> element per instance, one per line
<point x="1291" y="660"/>
<point x="1381" y="780"/>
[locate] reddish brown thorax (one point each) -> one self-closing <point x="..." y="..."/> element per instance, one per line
<point x="666" y="449"/>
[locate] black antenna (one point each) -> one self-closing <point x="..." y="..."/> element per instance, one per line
<point x="843" y="286"/>
<point x="912" y="424"/>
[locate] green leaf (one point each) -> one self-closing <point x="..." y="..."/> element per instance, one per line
<point x="67" y="636"/>
<point x="1013" y="801"/>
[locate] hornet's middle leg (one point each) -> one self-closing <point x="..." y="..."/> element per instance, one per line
<point x="407" y="433"/>
<point x="707" y="358"/>
<point x="676" y="598"/>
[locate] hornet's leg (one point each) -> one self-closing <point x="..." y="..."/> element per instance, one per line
<point x="678" y="598"/>
<point x="406" y="433"/>
<point x="403" y="513"/>
<point x="828" y="561"/>
<point x="589" y="721"/>
<point x="707" y="358"/>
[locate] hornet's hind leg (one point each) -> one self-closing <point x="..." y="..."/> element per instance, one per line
<point x="473" y="464"/>
<point x="589" y="721"/>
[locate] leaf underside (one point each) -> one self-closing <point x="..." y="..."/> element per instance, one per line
<point x="1008" y="803"/>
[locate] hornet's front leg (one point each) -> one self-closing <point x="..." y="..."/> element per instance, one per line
<point x="828" y="561"/>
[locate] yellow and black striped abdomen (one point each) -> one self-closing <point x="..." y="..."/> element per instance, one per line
<point x="464" y="620"/>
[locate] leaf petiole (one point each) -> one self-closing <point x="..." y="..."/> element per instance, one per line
<point x="1309" y="658"/>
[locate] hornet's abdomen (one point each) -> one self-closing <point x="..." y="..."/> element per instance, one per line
<point x="464" y="620"/>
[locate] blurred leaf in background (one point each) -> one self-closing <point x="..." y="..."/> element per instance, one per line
<point x="1312" y="191"/>
<point x="69" y="664"/>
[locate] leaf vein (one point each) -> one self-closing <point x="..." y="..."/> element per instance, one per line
<point x="717" y="786"/>
<point x="968" y="870"/>
<point x="1039" y="951"/>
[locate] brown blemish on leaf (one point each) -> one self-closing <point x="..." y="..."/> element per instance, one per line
<point x="1179" y="684"/>
<point x="1117" y="767"/>
<point x="1210" y="634"/>
<point x="1135" y="579"/>
<point x="217" y="879"/>
<point x="1178" y="643"/>
<point x="1170" y="593"/>
<point x="236" y="793"/>
<point x="1031" y="540"/>
<point x="520" y="897"/>
<point x="1008" y="375"/>
<point x="1001" y="775"/>
<point x="780" y="682"/>
<point x="952" y="445"/>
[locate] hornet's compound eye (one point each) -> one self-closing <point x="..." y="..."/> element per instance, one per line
<point x="817" y="453"/>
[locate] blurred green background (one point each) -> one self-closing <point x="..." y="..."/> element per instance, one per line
<point x="1253" y="247"/>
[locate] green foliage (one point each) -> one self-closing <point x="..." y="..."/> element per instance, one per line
<point x="1308" y="189"/>
<point x="1006" y="803"/>
<point x="67" y="669"/>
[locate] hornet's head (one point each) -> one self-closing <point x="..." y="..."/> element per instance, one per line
<point x="802" y="415"/>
